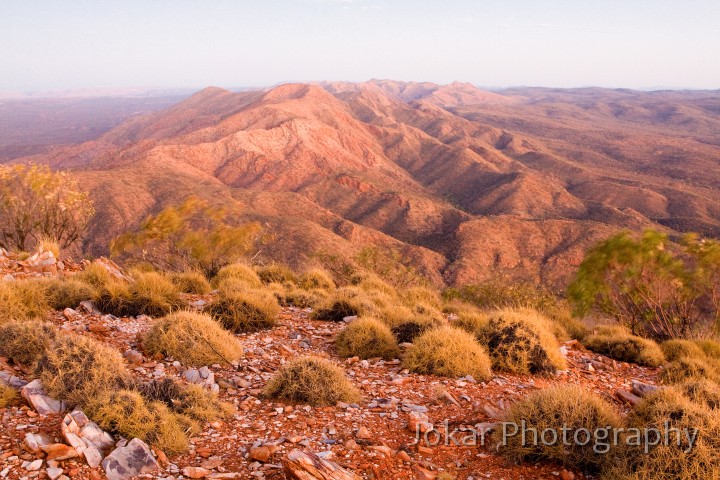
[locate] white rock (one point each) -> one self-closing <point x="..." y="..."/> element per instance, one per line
<point x="127" y="462"/>
<point x="35" y="395"/>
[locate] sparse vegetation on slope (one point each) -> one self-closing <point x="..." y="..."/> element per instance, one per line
<point x="150" y="293"/>
<point x="245" y="311"/>
<point x="25" y="342"/>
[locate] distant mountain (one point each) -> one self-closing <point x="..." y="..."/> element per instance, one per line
<point x="465" y="184"/>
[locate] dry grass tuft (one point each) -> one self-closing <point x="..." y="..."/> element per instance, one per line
<point x="367" y="337"/>
<point x="8" y="396"/>
<point x="408" y="330"/>
<point x="344" y="302"/>
<point x="617" y="343"/>
<point x="191" y="338"/>
<point x="371" y="283"/>
<point x="127" y="413"/>
<point x="292" y="296"/>
<point x="190" y="400"/>
<point x="191" y="281"/>
<point x="94" y="275"/>
<point x="449" y="352"/>
<point x="664" y="410"/>
<point x="688" y="369"/>
<point x="23" y="299"/>
<point x="553" y="408"/>
<point x="469" y="318"/>
<point x="422" y="295"/>
<point x="711" y="348"/>
<point x="24" y="342"/>
<point x="275" y="273"/>
<point x="702" y="391"/>
<point x="237" y="271"/>
<point x="246" y="311"/>
<point x="316" y="278"/>
<point x="519" y="341"/>
<point x="79" y="369"/>
<point x="676" y="349"/>
<point x="314" y="381"/>
<point x="68" y="293"/>
<point x="149" y="294"/>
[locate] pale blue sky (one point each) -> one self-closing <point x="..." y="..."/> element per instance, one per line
<point x="46" y="44"/>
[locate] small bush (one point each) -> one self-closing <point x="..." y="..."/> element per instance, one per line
<point x="127" y="413"/>
<point x="702" y="391"/>
<point x="687" y="369"/>
<point x="8" y="396"/>
<point x="187" y="399"/>
<point x="519" y="341"/>
<point x="572" y="407"/>
<point x="619" y="344"/>
<point x="149" y="294"/>
<point x="312" y="380"/>
<point x="237" y="271"/>
<point x="79" y="369"/>
<point x="191" y="281"/>
<point x="676" y="349"/>
<point x="275" y="273"/>
<point x="94" y="275"/>
<point x="664" y="410"/>
<point x="316" y="279"/>
<point x="247" y="311"/>
<point x="408" y="330"/>
<point x="191" y="338"/>
<point x="24" y="342"/>
<point x="711" y="348"/>
<point x="367" y="338"/>
<point x="500" y="293"/>
<point x="22" y="299"/>
<point x="291" y="296"/>
<point x="68" y="293"/>
<point x="449" y="352"/>
<point x="344" y="302"/>
<point x="422" y="295"/>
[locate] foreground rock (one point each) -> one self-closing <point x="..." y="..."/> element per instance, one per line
<point x="308" y="466"/>
<point x="86" y="437"/>
<point x="35" y="395"/>
<point x="130" y="461"/>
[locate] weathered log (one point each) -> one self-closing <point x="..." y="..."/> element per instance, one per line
<point x="301" y="465"/>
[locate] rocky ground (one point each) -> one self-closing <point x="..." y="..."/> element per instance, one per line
<point x="372" y="438"/>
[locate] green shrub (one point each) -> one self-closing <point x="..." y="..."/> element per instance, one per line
<point x="676" y="349"/>
<point x="519" y="341"/>
<point x="247" y="311"/>
<point x="79" y="369"/>
<point x="572" y="407"/>
<point x="449" y="352"/>
<point x="664" y="410"/>
<point x="191" y="338"/>
<point x="24" y="342"/>
<point x="316" y="279"/>
<point x="367" y="338"/>
<point x="618" y="344"/>
<point x="275" y="273"/>
<point x="312" y="380"/>
<point x="191" y="281"/>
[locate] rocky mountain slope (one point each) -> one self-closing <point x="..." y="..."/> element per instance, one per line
<point x="464" y="184"/>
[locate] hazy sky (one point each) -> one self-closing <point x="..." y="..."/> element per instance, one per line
<point x="73" y="44"/>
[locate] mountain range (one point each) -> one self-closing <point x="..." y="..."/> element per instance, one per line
<point x="463" y="184"/>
